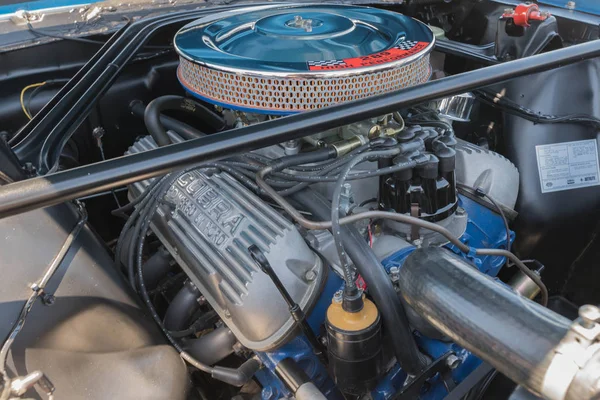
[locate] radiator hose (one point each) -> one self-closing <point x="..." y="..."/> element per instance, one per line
<point x="187" y="132"/>
<point x="510" y="332"/>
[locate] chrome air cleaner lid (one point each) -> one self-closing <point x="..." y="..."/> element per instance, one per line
<point x="285" y="59"/>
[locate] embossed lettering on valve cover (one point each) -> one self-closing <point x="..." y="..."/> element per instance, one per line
<point x="207" y="220"/>
<point x="213" y="215"/>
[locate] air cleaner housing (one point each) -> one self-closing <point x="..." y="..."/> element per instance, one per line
<point x="286" y="59"/>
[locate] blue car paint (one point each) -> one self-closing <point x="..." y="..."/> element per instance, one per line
<point x="586" y="6"/>
<point x="485" y="228"/>
<point x="40" y="5"/>
<point x="300" y="350"/>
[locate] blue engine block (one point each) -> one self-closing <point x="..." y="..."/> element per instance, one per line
<point x="485" y="229"/>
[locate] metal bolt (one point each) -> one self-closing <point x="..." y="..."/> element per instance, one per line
<point x="589" y="315"/>
<point x="267" y="393"/>
<point x="347" y="189"/>
<point x="418" y="242"/>
<point x="299" y="22"/>
<point x="30" y="168"/>
<point x="48" y="299"/>
<point x="291" y="147"/>
<point x="395" y="274"/>
<point x="98" y="132"/>
<point x="238" y="348"/>
<point x="452" y="361"/>
<point x="374" y="131"/>
<point x="571" y="5"/>
<point x="346" y="197"/>
<point x="227" y="313"/>
<point x="310" y="275"/>
<point x="460" y="211"/>
<point x="338" y="297"/>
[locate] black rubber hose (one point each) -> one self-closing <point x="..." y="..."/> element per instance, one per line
<point x="380" y="286"/>
<point x="336" y="211"/>
<point x="510" y="332"/>
<point x="160" y="104"/>
<point x="303" y="158"/>
<point x="184" y="305"/>
<point x="212" y="347"/>
<point x="156" y="268"/>
<point x="237" y="377"/>
<point x="184" y="130"/>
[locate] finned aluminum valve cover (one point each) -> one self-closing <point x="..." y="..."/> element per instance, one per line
<point x="207" y="222"/>
<point x="286" y="59"/>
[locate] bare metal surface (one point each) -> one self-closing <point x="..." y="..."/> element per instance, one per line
<point x="207" y="222"/>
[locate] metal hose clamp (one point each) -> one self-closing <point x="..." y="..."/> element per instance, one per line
<point x="573" y="353"/>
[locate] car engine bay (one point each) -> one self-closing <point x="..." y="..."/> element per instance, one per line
<point x="296" y="200"/>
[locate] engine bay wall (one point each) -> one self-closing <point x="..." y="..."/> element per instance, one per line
<point x="205" y="221"/>
<point x="94" y="320"/>
<point x="554" y="220"/>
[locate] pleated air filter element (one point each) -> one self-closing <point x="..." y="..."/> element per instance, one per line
<point x="286" y="59"/>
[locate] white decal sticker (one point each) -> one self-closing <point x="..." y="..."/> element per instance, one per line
<point x="568" y="165"/>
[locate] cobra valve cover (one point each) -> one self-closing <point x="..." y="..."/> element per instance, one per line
<point x="287" y="59"/>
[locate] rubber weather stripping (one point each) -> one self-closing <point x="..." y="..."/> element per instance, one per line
<point x="42" y="139"/>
